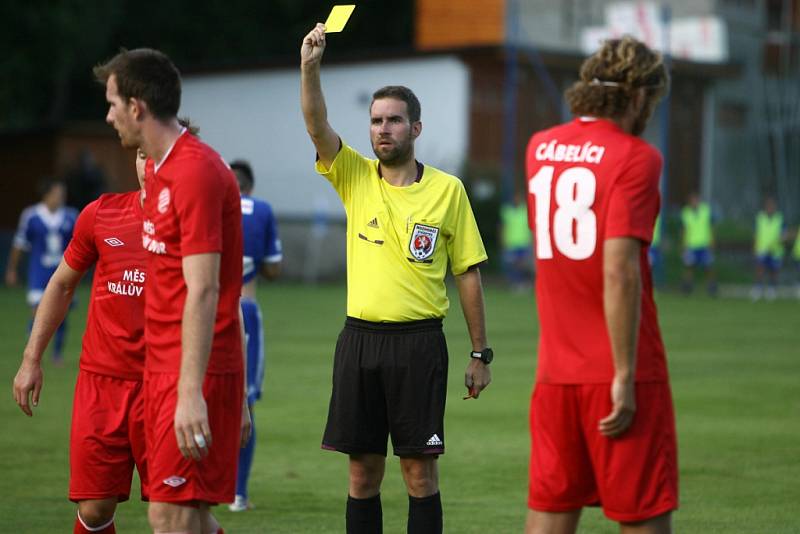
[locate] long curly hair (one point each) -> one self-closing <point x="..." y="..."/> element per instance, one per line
<point x="610" y="77"/>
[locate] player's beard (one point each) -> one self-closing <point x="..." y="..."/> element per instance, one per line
<point x="397" y="155"/>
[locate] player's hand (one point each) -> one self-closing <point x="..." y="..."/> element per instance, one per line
<point x="477" y="377"/>
<point x="191" y="425"/>
<point x="247" y="424"/>
<point x="623" y="408"/>
<point x="313" y="45"/>
<point x="11" y="278"/>
<point x="28" y="385"/>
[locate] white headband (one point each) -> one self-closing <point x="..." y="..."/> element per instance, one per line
<point x="595" y="81"/>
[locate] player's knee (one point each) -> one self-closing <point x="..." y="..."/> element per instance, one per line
<point x="421" y="477"/>
<point x="364" y="484"/>
<point x="96" y="513"/>
<point x="165" y="517"/>
<point x="365" y="478"/>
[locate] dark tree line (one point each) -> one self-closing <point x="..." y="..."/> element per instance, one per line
<point x="49" y="46"/>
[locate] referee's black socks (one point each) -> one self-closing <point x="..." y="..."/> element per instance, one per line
<point x="425" y="514"/>
<point x="364" y="516"/>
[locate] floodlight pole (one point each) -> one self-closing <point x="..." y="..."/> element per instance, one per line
<point x="510" y="102"/>
<point x="664" y="111"/>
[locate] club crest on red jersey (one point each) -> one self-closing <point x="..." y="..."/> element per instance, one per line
<point x="423" y="241"/>
<point x="163" y="200"/>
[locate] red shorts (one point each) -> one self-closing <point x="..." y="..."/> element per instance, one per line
<point x="107" y="438"/>
<point x="633" y="477"/>
<point x="175" y="479"/>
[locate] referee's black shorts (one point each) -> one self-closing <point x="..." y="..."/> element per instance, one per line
<point x="389" y="379"/>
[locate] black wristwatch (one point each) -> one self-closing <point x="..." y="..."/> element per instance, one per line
<point x="486" y="355"/>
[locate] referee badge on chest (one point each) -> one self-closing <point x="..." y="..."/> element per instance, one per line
<point x="423" y="242"/>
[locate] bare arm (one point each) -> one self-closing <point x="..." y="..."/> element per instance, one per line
<point x="247" y="422"/>
<point x="622" y="293"/>
<point x="49" y="314"/>
<point x="201" y="274"/>
<point x="271" y="270"/>
<point x="13" y="263"/>
<point x="470" y="292"/>
<point x="312" y="101"/>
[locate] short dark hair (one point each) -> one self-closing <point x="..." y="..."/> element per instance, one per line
<point x="47" y="184"/>
<point x="405" y="94"/>
<point x="244" y="174"/>
<point x="148" y="75"/>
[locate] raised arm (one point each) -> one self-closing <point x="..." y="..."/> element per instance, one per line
<point x="50" y="313"/>
<point x="622" y="294"/>
<point x="312" y="100"/>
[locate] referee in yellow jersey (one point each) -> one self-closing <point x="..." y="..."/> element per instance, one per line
<point x="405" y="222"/>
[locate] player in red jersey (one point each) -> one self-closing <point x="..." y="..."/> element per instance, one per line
<point x="107" y="437"/>
<point x="602" y="424"/>
<point x="192" y="232"/>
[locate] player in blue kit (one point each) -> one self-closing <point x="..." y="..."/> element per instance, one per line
<point x="262" y="254"/>
<point x="43" y="232"/>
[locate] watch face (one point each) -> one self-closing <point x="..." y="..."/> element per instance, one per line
<point x="486" y="355"/>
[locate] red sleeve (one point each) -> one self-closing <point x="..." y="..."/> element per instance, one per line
<point x="634" y="201"/>
<point x="81" y="252"/>
<point x="198" y="200"/>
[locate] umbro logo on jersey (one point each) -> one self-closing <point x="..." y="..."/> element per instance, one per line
<point x="373" y="223"/>
<point x="114" y="242"/>
<point x="434" y="440"/>
<point x="174" y="481"/>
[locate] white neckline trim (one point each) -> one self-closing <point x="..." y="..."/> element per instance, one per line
<point x="51" y="219"/>
<point x="587" y="118"/>
<point x="169" y="150"/>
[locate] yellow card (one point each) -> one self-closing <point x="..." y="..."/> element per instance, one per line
<point x="338" y="18"/>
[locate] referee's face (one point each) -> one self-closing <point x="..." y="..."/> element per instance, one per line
<point x="391" y="132"/>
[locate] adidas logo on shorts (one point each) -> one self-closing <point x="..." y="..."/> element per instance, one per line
<point x="434" y="440"/>
<point x="174" y="481"/>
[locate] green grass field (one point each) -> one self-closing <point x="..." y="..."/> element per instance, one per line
<point x="735" y="373"/>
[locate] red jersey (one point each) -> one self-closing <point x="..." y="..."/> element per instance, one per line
<point x="108" y="233"/>
<point x="589" y="181"/>
<point x="192" y="206"/>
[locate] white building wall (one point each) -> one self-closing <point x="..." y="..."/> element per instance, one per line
<point x="553" y="25"/>
<point x="256" y="116"/>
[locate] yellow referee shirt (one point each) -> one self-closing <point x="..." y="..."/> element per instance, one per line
<point x="399" y="239"/>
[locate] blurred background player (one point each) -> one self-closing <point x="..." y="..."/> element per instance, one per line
<point x="796" y="260"/>
<point x="698" y="240"/>
<point x="655" y="256"/>
<point x="602" y="423"/>
<point x="516" y="239"/>
<point x="768" y="249"/>
<point x="262" y="255"/>
<point x="44" y="230"/>
<point x="107" y="436"/>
